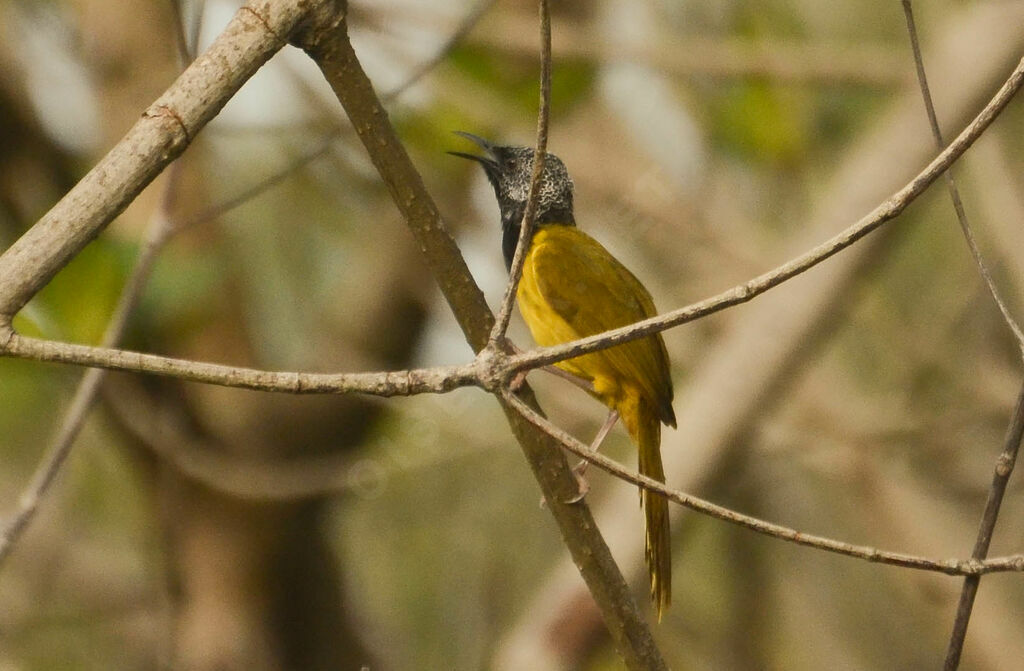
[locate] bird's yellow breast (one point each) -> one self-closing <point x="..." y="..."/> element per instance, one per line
<point x="572" y="287"/>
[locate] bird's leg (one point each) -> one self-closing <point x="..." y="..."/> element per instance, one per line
<point x="580" y="469"/>
<point x="581" y="382"/>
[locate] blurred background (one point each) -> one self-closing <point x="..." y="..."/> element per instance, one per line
<point x="206" y="528"/>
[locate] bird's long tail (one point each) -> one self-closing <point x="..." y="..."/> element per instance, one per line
<point x="646" y="433"/>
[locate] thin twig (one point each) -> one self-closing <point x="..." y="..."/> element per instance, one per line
<point x="954" y="192"/>
<point x="539" y="154"/>
<point x="85" y="394"/>
<point x="1004" y="467"/>
<point x="391" y="383"/>
<point x="157" y="234"/>
<point x="965" y="567"/>
<point x="742" y="293"/>
<point x="253" y="190"/>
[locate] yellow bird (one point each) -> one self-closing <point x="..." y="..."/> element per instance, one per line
<point x="573" y="287"/>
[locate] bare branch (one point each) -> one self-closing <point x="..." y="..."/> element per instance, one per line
<point x="954" y="192"/>
<point x="539" y="154"/>
<point x="391" y="383"/>
<point x="1004" y="467"/>
<point x="327" y="43"/>
<point x="255" y="33"/>
<point x="85" y="393"/>
<point x="968" y="567"/>
<point x="742" y="293"/>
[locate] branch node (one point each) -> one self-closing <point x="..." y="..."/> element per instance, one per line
<point x="262" y="20"/>
<point x="492" y="369"/>
<point x="167" y="112"/>
<point x="1004" y="465"/>
<point x="972" y="566"/>
<point x="322" y="21"/>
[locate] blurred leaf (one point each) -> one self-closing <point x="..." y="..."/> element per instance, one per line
<point x="81" y="298"/>
<point x="516" y="80"/>
<point x="760" y="121"/>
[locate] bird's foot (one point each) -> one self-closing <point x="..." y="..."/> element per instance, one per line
<point x="583" y="485"/>
<point x="517" y="381"/>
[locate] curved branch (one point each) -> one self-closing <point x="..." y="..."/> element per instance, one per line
<point x="749" y="290"/>
<point x="963" y="567"/>
<point x="954" y="192"/>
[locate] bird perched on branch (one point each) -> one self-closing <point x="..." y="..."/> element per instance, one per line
<point x="573" y="287"/>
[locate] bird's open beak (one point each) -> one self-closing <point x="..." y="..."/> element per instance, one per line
<point x="488" y="147"/>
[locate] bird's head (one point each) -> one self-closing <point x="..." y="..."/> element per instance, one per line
<point x="510" y="170"/>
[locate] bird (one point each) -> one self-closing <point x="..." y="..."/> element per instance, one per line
<point x="573" y="287"/>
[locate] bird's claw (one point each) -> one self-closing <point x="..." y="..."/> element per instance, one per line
<point x="581" y="482"/>
<point x="517" y="381"/>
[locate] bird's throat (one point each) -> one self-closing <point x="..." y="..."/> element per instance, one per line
<point x="511" y="224"/>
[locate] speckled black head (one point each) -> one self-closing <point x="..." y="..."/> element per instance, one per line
<point x="509" y="170"/>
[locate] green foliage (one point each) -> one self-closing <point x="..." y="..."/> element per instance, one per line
<point x="79" y="301"/>
<point x="514" y="82"/>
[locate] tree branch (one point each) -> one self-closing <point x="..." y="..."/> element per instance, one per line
<point x="1006" y="460"/>
<point x="749" y="290"/>
<point x="968" y="567"/>
<point x="327" y="43"/>
<point x="391" y="383"/>
<point x="255" y="33"/>
<point x="1004" y="467"/>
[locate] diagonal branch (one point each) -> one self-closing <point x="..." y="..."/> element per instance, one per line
<point x="159" y="231"/>
<point x="1004" y="467"/>
<point x="539" y="154"/>
<point x="745" y="292"/>
<point x="255" y="34"/>
<point x="326" y="41"/>
<point x="969" y="567"/>
<point x="88" y="388"/>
